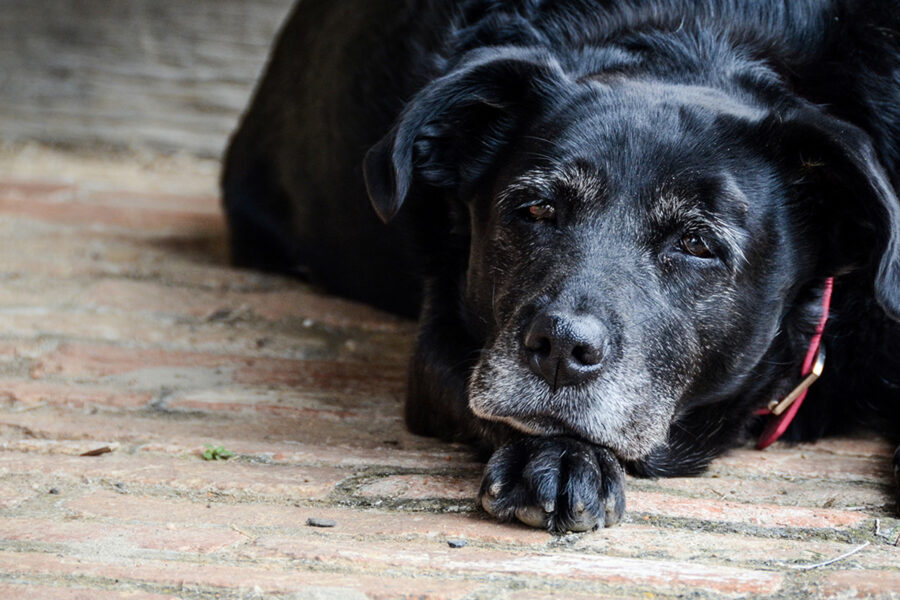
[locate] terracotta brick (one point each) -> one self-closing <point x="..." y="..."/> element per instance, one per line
<point x="70" y="448"/>
<point x="249" y="577"/>
<point x="36" y="190"/>
<point x="177" y="173"/>
<point x="670" y="543"/>
<point x="124" y="329"/>
<point x="27" y="394"/>
<point x="78" y="213"/>
<point x="871" y="445"/>
<point x="325" y="375"/>
<point x="352" y="524"/>
<point x="569" y="566"/>
<point x="194" y="257"/>
<point x="31" y="591"/>
<point x="796" y="492"/>
<point x="124" y="540"/>
<point x="188" y="474"/>
<point x="102" y="360"/>
<point x="248" y="340"/>
<point x="8" y="350"/>
<point x="27" y="292"/>
<point x="861" y="584"/>
<point x="752" y="514"/>
<point x="153" y="201"/>
<point x="804" y="464"/>
<point x="84" y="361"/>
<point x="149" y="296"/>
<point x="373" y="439"/>
<point x="11" y="495"/>
<point x="275" y="305"/>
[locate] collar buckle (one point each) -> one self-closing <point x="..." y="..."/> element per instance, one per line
<point x="777" y="407"/>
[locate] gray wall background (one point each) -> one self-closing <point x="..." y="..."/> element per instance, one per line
<point x="164" y="75"/>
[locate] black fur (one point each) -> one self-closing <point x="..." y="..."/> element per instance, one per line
<point x="615" y="219"/>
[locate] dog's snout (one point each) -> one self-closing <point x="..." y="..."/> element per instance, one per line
<point x="565" y="348"/>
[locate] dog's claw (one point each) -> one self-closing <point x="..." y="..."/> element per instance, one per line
<point x="489" y="504"/>
<point x="532" y="516"/>
<point x="585" y="523"/>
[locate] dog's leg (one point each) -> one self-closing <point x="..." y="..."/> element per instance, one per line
<point x="437" y="401"/>
<point x="258" y="210"/>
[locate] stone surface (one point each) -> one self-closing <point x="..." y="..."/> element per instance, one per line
<point x="122" y="326"/>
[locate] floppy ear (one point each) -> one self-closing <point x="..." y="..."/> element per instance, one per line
<point x="452" y="129"/>
<point x="839" y="167"/>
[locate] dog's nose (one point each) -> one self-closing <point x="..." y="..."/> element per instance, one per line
<point x="564" y="348"/>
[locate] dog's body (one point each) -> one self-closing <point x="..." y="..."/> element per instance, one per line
<point x="620" y="216"/>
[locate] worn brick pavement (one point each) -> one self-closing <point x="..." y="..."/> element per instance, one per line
<point x="123" y="328"/>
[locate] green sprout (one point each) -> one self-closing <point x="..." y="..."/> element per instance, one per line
<point x="216" y="453"/>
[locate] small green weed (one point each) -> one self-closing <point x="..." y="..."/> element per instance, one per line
<point x="216" y="453"/>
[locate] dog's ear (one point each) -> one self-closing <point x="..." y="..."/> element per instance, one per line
<point x="451" y="131"/>
<point x="839" y="170"/>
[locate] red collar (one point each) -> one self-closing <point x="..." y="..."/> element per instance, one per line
<point x="783" y="411"/>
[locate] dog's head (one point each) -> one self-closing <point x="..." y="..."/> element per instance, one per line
<point x="638" y="243"/>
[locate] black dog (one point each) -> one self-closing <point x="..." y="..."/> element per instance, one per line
<point x="619" y="219"/>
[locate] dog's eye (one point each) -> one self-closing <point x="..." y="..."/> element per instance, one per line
<point x="541" y="212"/>
<point x="693" y="244"/>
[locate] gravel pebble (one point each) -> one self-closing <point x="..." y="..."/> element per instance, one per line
<point x="317" y="522"/>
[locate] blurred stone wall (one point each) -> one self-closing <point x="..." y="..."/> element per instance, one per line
<point x="170" y="75"/>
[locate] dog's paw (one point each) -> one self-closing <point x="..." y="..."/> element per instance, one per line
<point x="554" y="483"/>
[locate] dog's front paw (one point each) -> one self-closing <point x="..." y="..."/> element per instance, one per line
<point x="554" y="483"/>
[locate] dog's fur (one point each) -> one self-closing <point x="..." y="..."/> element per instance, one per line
<point x="664" y="186"/>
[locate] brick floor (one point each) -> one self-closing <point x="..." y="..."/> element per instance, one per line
<point x="123" y="327"/>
